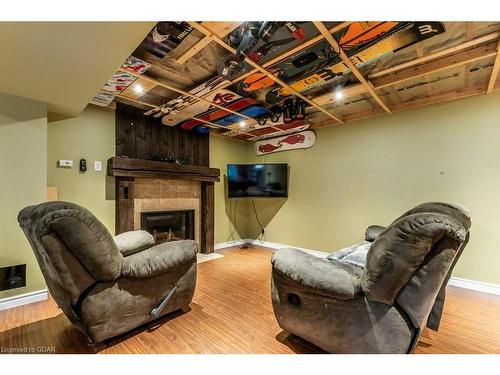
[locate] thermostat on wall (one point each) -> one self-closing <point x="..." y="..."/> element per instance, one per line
<point x="65" y="163"/>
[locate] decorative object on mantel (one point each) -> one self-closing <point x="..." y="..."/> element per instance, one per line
<point x="168" y="159"/>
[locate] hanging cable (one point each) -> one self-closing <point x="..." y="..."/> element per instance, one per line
<point x="262" y="229"/>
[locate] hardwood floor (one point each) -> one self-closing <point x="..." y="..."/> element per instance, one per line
<point x="231" y="313"/>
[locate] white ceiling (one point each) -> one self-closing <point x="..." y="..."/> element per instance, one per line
<point x="64" y="63"/>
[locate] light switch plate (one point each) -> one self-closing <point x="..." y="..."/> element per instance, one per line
<point x="98" y="166"/>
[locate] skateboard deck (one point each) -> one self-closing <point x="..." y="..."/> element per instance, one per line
<point x="301" y="140"/>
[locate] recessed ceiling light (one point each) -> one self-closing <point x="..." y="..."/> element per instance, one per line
<point x="138" y="89"/>
<point x="339" y="95"/>
<point x="242" y="124"/>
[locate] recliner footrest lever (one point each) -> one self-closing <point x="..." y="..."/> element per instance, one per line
<point x="155" y="313"/>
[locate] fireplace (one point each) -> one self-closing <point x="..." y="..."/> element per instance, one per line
<point x="145" y="186"/>
<point x="165" y="226"/>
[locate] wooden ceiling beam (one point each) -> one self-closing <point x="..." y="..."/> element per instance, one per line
<point x="263" y="70"/>
<point x="249" y="120"/>
<point x="225" y="28"/>
<point x="408" y="74"/>
<point x="436" y="55"/>
<point x="271" y="62"/>
<point x="469" y="35"/>
<point x="322" y="28"/>
<point x="282" y="56"/>
<point x="197" y="47"/>
<point x="494" y="71"/>
<point x="412" y="104"/>
<point x="349" y="92"/>
<point x="445" y="63"/>
<point x="180" y="91"/>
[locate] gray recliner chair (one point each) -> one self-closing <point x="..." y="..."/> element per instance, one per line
<point x="104" y="285"/>
<point x="375" y="296"/>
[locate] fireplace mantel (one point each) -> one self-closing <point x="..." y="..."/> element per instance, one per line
<point x="128" y="167"/>
<point x="128" y="171"/>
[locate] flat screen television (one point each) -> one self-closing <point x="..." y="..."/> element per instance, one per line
<point x="257" y="180"/>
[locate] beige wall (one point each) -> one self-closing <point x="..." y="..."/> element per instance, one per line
<point x="222" y="152"/>
<point x="89" y="136"/>
<point x="370" y="172"/>
<point x="355" y="175"/>
<point x="23" y="176"/>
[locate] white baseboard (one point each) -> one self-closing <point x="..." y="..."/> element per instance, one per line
<point x="478" y="286"/>
<point x="201" y="258"/>
<point x="274" y="245"/>
<point x="454" y="281"/>
<point x="224" y="245"/>
<point x="23" y="299"/>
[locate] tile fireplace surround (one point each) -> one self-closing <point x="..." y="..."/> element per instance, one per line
<point x="162" y="194"/>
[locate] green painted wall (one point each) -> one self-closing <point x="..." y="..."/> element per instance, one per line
<point x="89" y="136"/>
<point x="372" y="171"/>
<point x="23" y="176"/>
<point x="222" y="152"/>
<point x="355" y="175"/>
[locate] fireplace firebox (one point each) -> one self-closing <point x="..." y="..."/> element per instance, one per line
<point x="168" y="226"/>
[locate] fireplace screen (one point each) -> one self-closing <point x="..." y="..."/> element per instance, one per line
<point x="168" y="226"/>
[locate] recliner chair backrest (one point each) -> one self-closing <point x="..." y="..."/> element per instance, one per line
<point x="410" y="259"/>
<point x="72" y="247"/>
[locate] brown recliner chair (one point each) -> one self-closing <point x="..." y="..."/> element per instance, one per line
<point x="373" y="297"/>
<point x="102" y="288"/>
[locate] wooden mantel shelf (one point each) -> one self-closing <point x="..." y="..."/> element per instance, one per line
<point x="128" y="167"/>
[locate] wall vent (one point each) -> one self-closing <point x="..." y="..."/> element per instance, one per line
<point x="12" y="277"/>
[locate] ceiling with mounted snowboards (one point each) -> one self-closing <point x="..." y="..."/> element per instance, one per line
<point x="255" y="80"/>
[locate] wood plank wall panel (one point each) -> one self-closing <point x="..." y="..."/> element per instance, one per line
<point x="143" y="137"/>
<point x="207" y="217"/>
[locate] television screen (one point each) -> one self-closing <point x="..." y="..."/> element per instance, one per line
<point x="257" y="180"/>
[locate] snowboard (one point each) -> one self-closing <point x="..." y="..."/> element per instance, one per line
<point x="363" y="42"/>
<point x="120" y="81"/>
<point x="207" y="112"/>
<point x="185" y="101"/>
<point x="164" y="37"/>
<point x="257" y="132"/>
<point x="261" y="41"/>
<point x="286" y="37"/>
<point x="301" y="140"/>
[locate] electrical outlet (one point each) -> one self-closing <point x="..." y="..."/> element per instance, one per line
<point x="98" y="166"/>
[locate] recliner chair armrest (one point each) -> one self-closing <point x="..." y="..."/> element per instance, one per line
<point x="159" y="259"/>
<point x="372" y="232"/>
<point x="132" y="242"/>
<point x="318" y="275"/>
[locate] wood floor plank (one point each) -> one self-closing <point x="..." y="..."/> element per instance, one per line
<point x="231" y="312"/>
